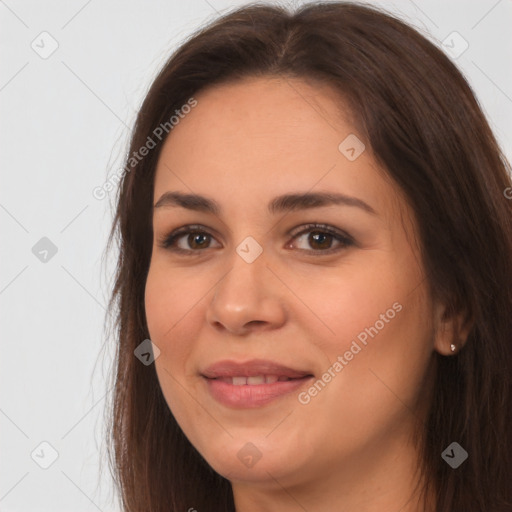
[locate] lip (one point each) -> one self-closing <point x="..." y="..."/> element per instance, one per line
<point x="251" y="396"/>
<point x="252" y="368"/>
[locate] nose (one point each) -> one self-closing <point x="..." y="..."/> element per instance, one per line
<point x="249" y="297"/>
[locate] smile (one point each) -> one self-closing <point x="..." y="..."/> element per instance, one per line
<point x="253" y="381"/>
<point x="251" y="392"/>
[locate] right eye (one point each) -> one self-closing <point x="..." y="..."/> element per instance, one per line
<point x="194" y="237"/>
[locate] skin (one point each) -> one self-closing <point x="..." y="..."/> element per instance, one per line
<point x="350" y="448"/>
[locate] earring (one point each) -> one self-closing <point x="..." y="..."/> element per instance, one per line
<point x="452" y="347"/>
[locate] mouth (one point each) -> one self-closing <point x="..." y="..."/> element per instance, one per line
<point x="256" y="380"/>
<point x="252" y="384"/>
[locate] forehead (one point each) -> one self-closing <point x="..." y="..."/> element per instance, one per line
<point x="257" y="112"/>
<point x="260" y="137"/>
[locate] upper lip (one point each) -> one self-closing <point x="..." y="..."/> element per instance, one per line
<point x="252" y="368"/>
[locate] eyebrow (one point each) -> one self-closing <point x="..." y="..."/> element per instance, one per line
<point x="283" y="203"/>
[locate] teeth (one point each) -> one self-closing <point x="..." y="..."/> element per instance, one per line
<point x="260" y="379"/>
<point x="253" y="381"/>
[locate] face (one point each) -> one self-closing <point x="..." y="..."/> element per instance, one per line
<point x="334" y="291"/>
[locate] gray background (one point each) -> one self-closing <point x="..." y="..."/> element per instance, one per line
<point x="64" y="124"/>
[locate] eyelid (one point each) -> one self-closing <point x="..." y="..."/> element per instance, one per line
<point x="318" y="226"/>
<point x="165" y="241"/>
<point x="344" y="239"/>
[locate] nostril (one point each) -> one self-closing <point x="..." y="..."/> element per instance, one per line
<point x="257" y="322"/>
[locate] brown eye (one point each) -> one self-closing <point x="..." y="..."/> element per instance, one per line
<point x="192" y="240"/>
<point x="199" y="239"/>
<point x="320" y="239"/>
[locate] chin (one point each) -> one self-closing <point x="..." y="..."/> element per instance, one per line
<point x="258" y="461"/>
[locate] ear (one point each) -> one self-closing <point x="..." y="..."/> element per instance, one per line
<point x="451" y="329"/>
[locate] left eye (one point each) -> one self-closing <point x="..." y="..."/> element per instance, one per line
<point x="320" y="237"/>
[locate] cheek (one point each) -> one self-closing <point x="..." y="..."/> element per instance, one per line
<point x="384" y="361"/>
<point x="348" y="303"/>
<point x="172" y="307"/>
<point x="171" y="304"/>
<point x="160" y="307"/>
<point x="378" y="325"/>
<point x="170" y="300"/>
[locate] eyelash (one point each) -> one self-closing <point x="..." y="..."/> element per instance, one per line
<point x="168" y="242"/>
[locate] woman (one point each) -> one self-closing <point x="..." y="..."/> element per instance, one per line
<point x="315" y="236"/>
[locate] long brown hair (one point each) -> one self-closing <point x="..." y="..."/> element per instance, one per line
<point x="425" y="127"/>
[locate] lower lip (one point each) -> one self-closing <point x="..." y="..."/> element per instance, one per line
<point x="247" y="396"/>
